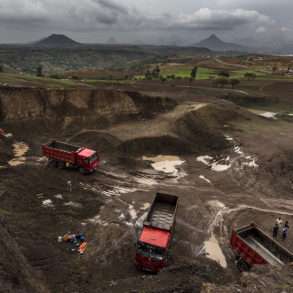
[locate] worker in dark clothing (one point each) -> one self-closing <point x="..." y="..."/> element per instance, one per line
<point x="275" y="231"/>
<point x="285" y="233"/>
<point x="285" y="230"/>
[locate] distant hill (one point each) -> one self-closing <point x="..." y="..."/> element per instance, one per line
<point x="214" y="43"/>
<point x="56" y="41"/>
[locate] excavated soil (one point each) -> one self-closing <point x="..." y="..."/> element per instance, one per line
<point x="228" y="167"/>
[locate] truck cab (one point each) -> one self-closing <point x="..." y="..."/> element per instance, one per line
<point x="152" y="249"/>
<point x="87" y="160"/>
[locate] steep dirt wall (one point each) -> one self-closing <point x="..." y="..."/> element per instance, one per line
<point x="23" y="104"/>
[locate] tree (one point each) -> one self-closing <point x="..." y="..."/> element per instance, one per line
<point x="274" y="69"/>
<point x="234" y="82"/>
<point x="221" y="82"/>
<point x="224" y="73"/>
<point x="148" y="75"/>
<point x="40" y="70"/>
<point x="156" y="72"/>
<point x="193" y="73"/>
<point x="250" y="76"/>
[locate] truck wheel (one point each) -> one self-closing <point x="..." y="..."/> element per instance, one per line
<point x="242" y="265"/>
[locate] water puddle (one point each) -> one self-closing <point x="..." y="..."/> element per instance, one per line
<point x="73" y="204"/>
<point x="109" y="191"/>
<point x="47" y="203"/>
<point x="217" y="166"/>
<point x="19" y="151"/>
<point x="267" y="115"/>
<point x="145" y="206"/>
<point x="132" y="212"/>
<point x="205" y="179"/>
<point x="166" y="164"/>
<point x="226" y="163"/>
<point x="58" y="196"/>
<point x="98" y="221"/>
<point x="145" y="181"/>
<point x="213" y="251"/>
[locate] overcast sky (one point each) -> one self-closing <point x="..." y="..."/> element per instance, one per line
<point x="147" y="21"/>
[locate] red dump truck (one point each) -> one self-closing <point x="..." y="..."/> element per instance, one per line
<point x="252" y="246"/>
<point x="156" y="235"/>
<point x="66" y="155"/>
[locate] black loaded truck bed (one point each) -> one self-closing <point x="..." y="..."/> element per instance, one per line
<point x="63" y="146"/>
<point x="162" y="212"/>
<point x="256" y="247"/>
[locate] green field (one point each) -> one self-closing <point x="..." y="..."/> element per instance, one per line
<point x="31" y="80"/>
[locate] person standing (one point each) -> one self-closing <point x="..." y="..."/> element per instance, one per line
<point x="275" y="231"/>
<point x="285" y="231"/>
<point x="69" y="185"/>
<point x="279" y="221"/>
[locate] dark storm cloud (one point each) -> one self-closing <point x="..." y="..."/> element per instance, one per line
<point x="152" y="16"/>
<point x="113" y="6"/>
<point x="93" y="14"/>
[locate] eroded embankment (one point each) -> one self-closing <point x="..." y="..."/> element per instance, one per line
<point x="27" y="104"/>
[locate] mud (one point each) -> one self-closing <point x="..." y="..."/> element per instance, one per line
<point x="145" y="145"/>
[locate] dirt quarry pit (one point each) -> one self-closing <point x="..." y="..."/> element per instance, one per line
<point x="219" y="159"/>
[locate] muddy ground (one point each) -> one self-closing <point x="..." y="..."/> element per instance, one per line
<point x="229" y="167"/>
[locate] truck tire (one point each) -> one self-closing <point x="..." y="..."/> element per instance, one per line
<point x="242" y="265"/>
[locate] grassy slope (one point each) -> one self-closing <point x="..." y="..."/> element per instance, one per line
<point x="30" y="80"/>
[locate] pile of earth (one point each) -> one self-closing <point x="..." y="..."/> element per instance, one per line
<point x="260" y="280"/>
<point x="280" y="165"/>
<point x="188" y="129"/>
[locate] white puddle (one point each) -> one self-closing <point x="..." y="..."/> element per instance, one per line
<point x="221" y="167"/>
<point x="112" y="191"/>
<point x="217" y="166"/>
<point x="205" y="179"/>
<point x="97" y="220"/>
<point x="47" y="203"/>
<point x="73" y="204"/>
<point x="145" y="206"/>
<point x="269" y="115"/>
<point x="212" y="247"/>
<point x="19" y="151"/>
<point x="121" y="217"/>
<point x="116" y="191"/>
<point x="204" y="159"/>
<point x="225" y="164"/>
<point x="132" y="212"/>
<point x="59" y="196"/>
<point x="140" y="220"/>
<point x="166" y="164"/>
<point x="213" y="251"/>
<point x="145" y="181"/>
<point x="251" y="164"/>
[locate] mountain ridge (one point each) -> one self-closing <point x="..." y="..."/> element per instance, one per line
<point x="213" y="42"/>
<point x="57" y="41"/>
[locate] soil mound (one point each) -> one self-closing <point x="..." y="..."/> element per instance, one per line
<point x="189" y="129"/>
<point x="100" y="141"/>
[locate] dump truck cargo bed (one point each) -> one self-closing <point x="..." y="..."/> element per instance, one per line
<point x="162" y="212"/>
<point x="254" y="246"/>
<point x="65" y="147"/>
